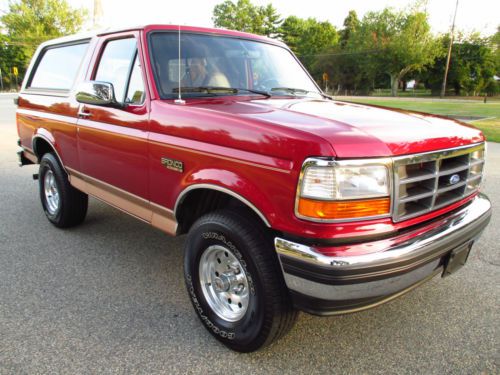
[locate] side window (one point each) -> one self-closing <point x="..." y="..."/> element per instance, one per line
<point x="51" y="74"/>
<point x="114" y="66"/>
<point x="135" y="92"/>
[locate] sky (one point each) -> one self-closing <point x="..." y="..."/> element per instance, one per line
<point x="473" y="15"/>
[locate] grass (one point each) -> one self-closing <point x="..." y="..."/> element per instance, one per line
<point x="407" y="93"/>
<point x="449" y="107"/>
<point x="490" y="128"/>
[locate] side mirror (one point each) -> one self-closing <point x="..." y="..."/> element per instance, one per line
<point x="97" y="93"/>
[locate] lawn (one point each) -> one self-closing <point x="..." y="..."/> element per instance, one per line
<point x="490" y="128"/>
<point x="448" y="107"/>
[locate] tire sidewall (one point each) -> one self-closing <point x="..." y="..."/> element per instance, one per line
<point x="48" y="163"/>
<point x="247" y="329"/>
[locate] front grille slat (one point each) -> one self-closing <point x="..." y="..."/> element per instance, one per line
<point x="411" y="198"/>
<point x="447" y="171"/>
<point x="452" y="187"/>
<point x="426" y="176"/>
<point x="426" y="182"/>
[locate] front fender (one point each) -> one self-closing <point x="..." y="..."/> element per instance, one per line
<point x="238" y="185"/>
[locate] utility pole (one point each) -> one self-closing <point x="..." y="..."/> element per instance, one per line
<point x="443" y="88"/>
<point x="97" y="14"/>
<point x="1" y="80"/>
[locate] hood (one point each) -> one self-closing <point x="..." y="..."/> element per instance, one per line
<point x="356" y="130"/>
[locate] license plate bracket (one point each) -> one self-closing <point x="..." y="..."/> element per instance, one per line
<point x="457" y="258"/>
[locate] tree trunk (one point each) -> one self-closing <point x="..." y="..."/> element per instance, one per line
<point x="394" y="84"/>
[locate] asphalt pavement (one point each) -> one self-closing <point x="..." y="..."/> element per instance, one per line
<point x="108" y="297"/>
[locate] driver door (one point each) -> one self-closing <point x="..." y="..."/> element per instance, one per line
<point x="112" y="142"/>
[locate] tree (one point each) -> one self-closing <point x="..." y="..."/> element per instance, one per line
<point x="272" y="21"/>
<point x="472" y="67"/>
<point x="308" y="38"/>
<point x="396" y="43"/>
<point x="342" y="62"/>
<point x="351" y="25"/>
<point x="11" y="56"/>
<point x="31" y="22"/>
<point x="244" y="16"/>
<point x="495" y="42"/>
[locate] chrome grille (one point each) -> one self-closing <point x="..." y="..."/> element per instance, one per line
<point x="426" y="182"/>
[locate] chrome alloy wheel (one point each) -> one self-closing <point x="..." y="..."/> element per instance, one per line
<point x="224" y="283"/>
<point x="51" y="192"/>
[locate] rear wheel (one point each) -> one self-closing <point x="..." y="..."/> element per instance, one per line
<point x="235" y="282"/>
<point x="63" y="205"/>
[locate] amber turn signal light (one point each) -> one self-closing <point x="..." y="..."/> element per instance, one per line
<point x="353" y="209"/>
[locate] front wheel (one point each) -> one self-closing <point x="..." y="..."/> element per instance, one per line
<point x="235" y="282"/>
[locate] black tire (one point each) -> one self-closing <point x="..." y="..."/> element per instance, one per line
<point x="71" y="208"/>
<point x="270" y="313"/>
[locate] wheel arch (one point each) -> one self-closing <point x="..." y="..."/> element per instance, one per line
<point x="42" y="144"/>
<point x="187" y="208"/>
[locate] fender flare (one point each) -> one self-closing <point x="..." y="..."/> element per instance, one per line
<point x="182" y="195"/>
<point x="47" y="139"/>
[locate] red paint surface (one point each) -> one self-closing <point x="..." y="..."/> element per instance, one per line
<point x="250" y="145"/>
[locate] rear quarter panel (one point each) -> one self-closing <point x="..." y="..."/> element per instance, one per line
<point x="51" y="114"/>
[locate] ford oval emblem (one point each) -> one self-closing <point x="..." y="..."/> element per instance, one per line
<point x="454" y="179"/>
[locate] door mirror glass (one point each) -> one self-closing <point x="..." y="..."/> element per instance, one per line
<point x="97" y="93"/>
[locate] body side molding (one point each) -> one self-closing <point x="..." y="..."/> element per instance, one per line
<point x="156" y="215"/>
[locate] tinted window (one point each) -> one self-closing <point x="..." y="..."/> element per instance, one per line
<point x="135" y="92"/>
<point x="58" y="67"/>
<point x="115" y="65"/>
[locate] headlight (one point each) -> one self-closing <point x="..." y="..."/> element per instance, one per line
<point x="330" y="190"/>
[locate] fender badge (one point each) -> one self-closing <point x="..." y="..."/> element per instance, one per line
<point x="454" y="179"/>
<point x="174" y="165"/>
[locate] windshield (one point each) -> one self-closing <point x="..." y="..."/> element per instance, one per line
<point x="217" y="62"/>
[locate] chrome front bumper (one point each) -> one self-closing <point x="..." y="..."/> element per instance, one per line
<point x="323" y="284"/>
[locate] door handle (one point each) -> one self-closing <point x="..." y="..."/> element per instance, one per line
<point x="83" y="112"/>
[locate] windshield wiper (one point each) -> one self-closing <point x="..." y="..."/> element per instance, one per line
<point x="291" y="90"/>
<point x="259" y="92"/>
<point x="219" y="90"/>
<point x="294" y="91"/>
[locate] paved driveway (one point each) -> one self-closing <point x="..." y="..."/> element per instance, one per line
<point x="108" y="297"/>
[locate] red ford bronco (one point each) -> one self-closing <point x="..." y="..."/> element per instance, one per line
<point x="290" y="200"/>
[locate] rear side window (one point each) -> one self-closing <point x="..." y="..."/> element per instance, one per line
<point x="58" y="67"/>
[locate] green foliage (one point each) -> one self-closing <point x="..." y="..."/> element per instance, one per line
<point x="11" y="56"/>
<point x="351" y="25"/>
<point x="396" y="43"/>
<point x="472" y="66"/>
<point x="342" y="60"/>
<point x="495" y="45"/>
<point x="384" y="47"/>
<point x="31" y="22"/>
<point x="308" y="38"/>
<point x="244" y="16"/>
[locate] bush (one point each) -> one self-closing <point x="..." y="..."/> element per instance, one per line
<point x="420" y="86"/>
